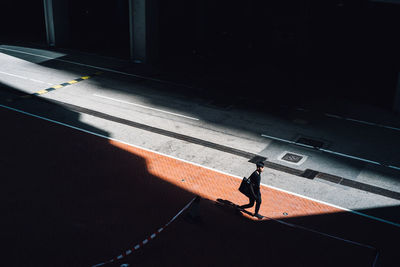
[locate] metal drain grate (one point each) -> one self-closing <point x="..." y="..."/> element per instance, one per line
<point x="310" y="142"/>
<point x="293" y="158"/>
<point x="309" y="174"/>
<point x="282" y="168"/>
<point x="358" y="185"/>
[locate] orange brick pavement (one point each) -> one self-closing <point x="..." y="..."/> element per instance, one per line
<point x="214" y="185"/>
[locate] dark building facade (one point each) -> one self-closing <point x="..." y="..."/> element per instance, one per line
<point x="347" y="48"/>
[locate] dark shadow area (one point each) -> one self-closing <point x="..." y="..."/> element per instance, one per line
<point x="345" y="228"/>
<point x="73" y="199"/>
<point x="291" y="51"/>
<point x="23" y="21"/>
<point x="70" y="198"/>
<point x="100" y="27"/>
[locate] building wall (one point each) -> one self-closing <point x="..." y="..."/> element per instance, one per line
<point x="22" y="24"/>
<point x="347" y="46"/>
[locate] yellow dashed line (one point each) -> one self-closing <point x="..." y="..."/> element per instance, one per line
<point x="41" y="92"/>
<point x="58" y="86"/>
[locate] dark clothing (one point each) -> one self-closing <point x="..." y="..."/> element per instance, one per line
<point x="255" y="179"/>
<point x="251" y="204"/>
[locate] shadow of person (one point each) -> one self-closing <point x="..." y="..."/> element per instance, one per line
<point x="231" y="207"/>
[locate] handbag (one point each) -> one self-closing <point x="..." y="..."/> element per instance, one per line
<point x="244" y="187"/>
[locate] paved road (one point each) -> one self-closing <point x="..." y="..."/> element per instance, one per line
<point x="138" y="110"/>
<point x="69" y="191"/>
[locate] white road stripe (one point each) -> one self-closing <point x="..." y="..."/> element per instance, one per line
<point x="394" y="167"/>
<point x="287" y="141"/>
<point x="25" y="78"/>
<point x="322" y="233"/>
<point x="138" y="105"/>
<point x="363" y="122"/>
<point x="333" y="116"/>
<point x="390" y="127"/>
<point x="196" y="164"/>
<point x="349" y="156"/>
<point x="279" y="139"/>
<point x="100" y="68"/>
<point x="331" y="152"/>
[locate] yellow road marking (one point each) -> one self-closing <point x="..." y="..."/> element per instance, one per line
<point x="41" y="92"/>
<point x="58" y="86"/>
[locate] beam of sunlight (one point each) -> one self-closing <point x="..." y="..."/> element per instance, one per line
<point x="35" y="55"/>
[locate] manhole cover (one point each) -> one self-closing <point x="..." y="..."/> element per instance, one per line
<point x="292" y="157"/>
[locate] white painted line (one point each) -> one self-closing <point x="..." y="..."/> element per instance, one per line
<point x="25" y="78"/>
<point x="349" y="156"/>
<point x="330" y="151"/>
<point x="287" y="141"/>
<point x="394" y="167"/>
<point x="300" y="144"/>
<point x="390" y="127"/>
<point x="138" y="105"/>
<point x="101" y="68"/>
<point x="360" y="121"/>
<point x="279" y="139"/>
<point x="322" y="233"/>
<point x="374" y="124"/>
<point x="333" y="116"/>
<point x="328" y="204"/>
<point x="364" y="122"/>
<point x="199" y="165"/>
